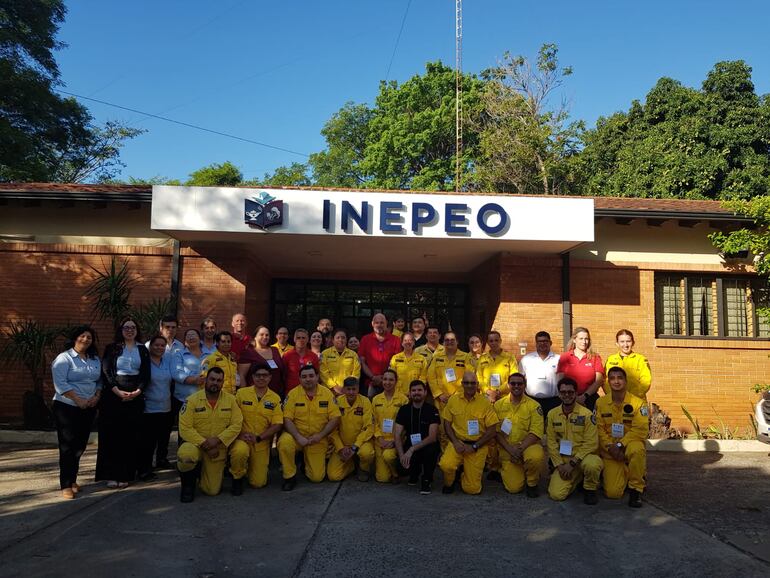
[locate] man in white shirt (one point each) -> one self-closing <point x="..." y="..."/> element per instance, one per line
<point x="540" y="369"/>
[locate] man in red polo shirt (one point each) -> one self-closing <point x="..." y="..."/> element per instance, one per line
<point x="295" y="359"/>
<point x="375" y="352"/>
<point x="241" y="337"/>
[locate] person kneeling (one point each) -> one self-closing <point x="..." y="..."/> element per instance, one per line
<point x="354" y="436"/>
<point x="416" y="437"/>
<point x="209" y="421"/>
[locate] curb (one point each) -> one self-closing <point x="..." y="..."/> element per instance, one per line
<point x="45" y="437"/>
<point x="720" y="446"/>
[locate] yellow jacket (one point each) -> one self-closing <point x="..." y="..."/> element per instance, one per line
<point x="638" y="374"/>
<point x="384" y="409"/>
<point x="425" y="351"/>
<point x="335" y="366"/>
<point x="226" y="364"/>
<point x="409" y="369"/>
<point x="526" y="417"/>
<point x="310" y="416"/>
<point x="259" y="413"/>
<point x="199" y="421"/>
<point x="284" y="349"/>
<point x="356" y="423"/>
<point x="442" y="369"/>
<point x="493" y="372"/>
<point x="631" y="414"/>
<point x="579" y="428"/>
<point x="459" y="411"/>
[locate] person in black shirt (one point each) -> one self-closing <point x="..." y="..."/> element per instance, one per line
<point x="416" y="437"/>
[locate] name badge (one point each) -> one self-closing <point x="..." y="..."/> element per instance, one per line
<point x="449" y="372"/>
<point x="415" y="439"/>
<point x="618" y="430"/>
<point x="272" y="364"/>
<point x="387" y="426"/>
<point x="494" y="380"/>
<point x="565" y="447"/>
<point x="506" y="426"/>
<point x="237" y="380"/>
<point x="473" y="427"/>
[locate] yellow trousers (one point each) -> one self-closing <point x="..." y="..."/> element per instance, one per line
<point x="212" y="469"/>
<point x="315" y="457"/>
<point x="617" y="475"/>
<point x="252" y="460"/>
<point x="473" y="468"/>
<point x="338" y="470"/>
<point x="589" y="471"/>
<point x="514" y="474"/>
<point x="385" y="463"/>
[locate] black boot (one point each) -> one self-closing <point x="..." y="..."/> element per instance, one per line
<point x="634" y="498"/>
<point x="237" y="488"/>
<point x="289" y="483"/>
<point x="532" y="492"/>
<point x="189" y="479"/>
<point x="590" y="498"/>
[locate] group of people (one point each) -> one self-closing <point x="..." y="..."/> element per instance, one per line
<point x="399" y="402"/>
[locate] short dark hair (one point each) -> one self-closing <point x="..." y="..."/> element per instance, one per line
<point x="517" y="374"/>
<point x="218" y="336"/>
<point x="416" y="383"/>
<point x="255" y="367"/>
<point x="393" y="371"/>
<point x="350" y="382"/>
<point x="307" y="367"/>
<point x="206" y="320"/>
<point x="566" y="381"/>
<point x="157" y="336"/>
<point x="436" y="327"/>
<point x="215" y="369"/>
<point x="617" y="369"/>
<point x="340" y="330"/>
<point x="540" y="334"/>
<point x="169" y="319"/>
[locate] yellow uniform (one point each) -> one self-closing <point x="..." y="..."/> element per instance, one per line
<point x="385" y="411"/>
<point x="573" y="437"/>
<point x="493" y="372"/>
<point x="628" y="424"/>
<point x="473" y="361"/>
<point x="397" y="332"/>
<point x="259" y="413"/>
<point x="517" y="420"/>
<point x="445" y="375"/>
<point x="469" y="420"/>
<point x="427" y="352"/>
<point x="309" y="416"/>
<point x="409" y="369"/>
<point x="198" y="420"/>
<point x="638" y="374"/>
<point x="356" y="429"/>
<point x="227" y="364"/>
<point x="336" y="366"/>
<point x="283" y="349"/>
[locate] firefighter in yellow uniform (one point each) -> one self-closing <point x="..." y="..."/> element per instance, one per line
<point x="385" y="406"/>
<point x="338" y="363"/>
<point x="469" y="423"/>
<point x="623" y="423"/>
<point x="519" y="433"/>
<point x="354" y="435"/>
<point x="494" y="367"/>
<point x="408" y="365"/>
<point x="223" y="359"/>
<point x="282" y="341"/>
<point x="262" y="419"/>
<point x="209" y="422"/>
<point x="432" y="347"/>
<point x="446" y="371"/>
<point x="572" y="445"/>
<point x="636" y="366"/>
<point x="310" y="415"/>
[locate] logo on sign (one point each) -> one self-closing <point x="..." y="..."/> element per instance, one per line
<point x="263" y="211"/>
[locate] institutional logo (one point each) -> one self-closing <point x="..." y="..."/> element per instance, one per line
<point x="263" y="211"/>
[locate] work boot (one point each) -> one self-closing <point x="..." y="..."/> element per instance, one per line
<point x="425" y="487"/>
<point x="237" y="488"/>
<point x="590" y="498"/>
<point x="288" y="484"/>
<point x="494" y="476"/>
<point x="634" y="498"/>
<point x="532" y="492"/>
<point x="363" y="476"/>
<point x="189" y="479"/>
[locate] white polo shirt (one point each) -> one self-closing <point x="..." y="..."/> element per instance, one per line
<point x="541" y="374"/>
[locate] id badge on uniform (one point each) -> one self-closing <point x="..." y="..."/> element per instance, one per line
<point x="387" y="426"/>
<point x="473" y="427"/>
<point x="618" y="431"/>
<point x="272" y="364"/>
<point x="450" y="375"/>
<point x="494" y="380"/>
<point x="565" y="447"/>
<point x="506" y="426"/>
<point x="415" y="439"/>
<point x="237" y="380"/>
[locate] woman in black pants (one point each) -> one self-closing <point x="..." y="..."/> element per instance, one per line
<point x="126" y="373"/>
<point x="76" y="380"/>
<point x="157" y="419"/>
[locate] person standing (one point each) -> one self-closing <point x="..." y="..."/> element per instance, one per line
<point x="385" y="406"/>
<point x="188" y="375"/>
<point x="494" y="367"/>
<point x="126" y="374"/>
<point x="207" y="335"/>
<point x="263" y="352"/>
<point x="167" y="328"/>
<point x="77" y="385"/>
<point x="338" y="363"/>
<point x="239" y="337"/>
<point x="583" y="365"/>
<point x="224" y="359"/>
<point x="298" y="358"/>
<point x="375" y="352"/>
<point x="408" y="365"/>
<point x="326" y="328"/>
<point x="418" y="330"/>
<point x="399" y="324"/>
<point x="475" y="350"/>
<point x="635" y="365"/>
<point x="316" y="343"/>
<point x="416" y="437"/>
<point x="446" y="371"/>
<point x="282" y="341"/>
<point x="539" y="367"/>
<point x="432" y="345"/>
<point x="157" y="418"/>
<point x="353" y="343"/>
<point x="353" y="439"/>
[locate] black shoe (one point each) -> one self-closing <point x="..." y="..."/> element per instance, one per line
<point x="189" y="479"/>
<point x="237" y="488"/>
<point x="188" y="494"/>
<point x="448" y="489"/>
<point x="634" y="499"/>
<point x="163" y="465"/>
<point x="289" y="483"/>
<point x="147" y="477"/>
<point x="494" y="476"/>
<point x="532" y="492"/>
<point x="425" y="488"/>
<point x="413" y="480"/>
<point x="590" y="498"/>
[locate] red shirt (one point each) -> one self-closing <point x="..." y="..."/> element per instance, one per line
<point x="583" y="371"/>
<point x="376" y="353"/>
<point x="293" y="362"/>
<point x="251" y="356"/>
<point x="239" y="344"/>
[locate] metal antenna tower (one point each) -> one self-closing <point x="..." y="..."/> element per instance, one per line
<point x="458" y="93"/>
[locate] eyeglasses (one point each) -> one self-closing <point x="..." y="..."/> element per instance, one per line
<point x="130" y="327"/>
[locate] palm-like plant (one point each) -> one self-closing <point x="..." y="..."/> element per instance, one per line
<point x="111" y="290"/>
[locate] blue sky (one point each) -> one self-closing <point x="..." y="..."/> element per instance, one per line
<point x="274" y="72"/>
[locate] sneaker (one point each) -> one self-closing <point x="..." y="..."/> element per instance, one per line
<point x="447" y="489"/>
<point x="634" y="499"/>
<point x="112" y="484"/>
<point x="532" y="492"/>
<point x="289" y="484"/>
<point x="590" y="498"/>
<point x="494" y="476"/>
<point x="425" y="488"/>
<point x="237" y="488"/>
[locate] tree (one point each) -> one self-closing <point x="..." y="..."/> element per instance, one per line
<point x="295" y="175"/>
<point x="526" y="145"/>
<point x="44" y="137"/>
<point x="712" y="143"/>
<point x="216" y="175"/>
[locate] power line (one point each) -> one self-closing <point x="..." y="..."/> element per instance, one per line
<point x="181" y="123"/>
<point x="398" y="39"/>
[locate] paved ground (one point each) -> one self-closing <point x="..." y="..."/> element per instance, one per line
<point x="705" y="514"/>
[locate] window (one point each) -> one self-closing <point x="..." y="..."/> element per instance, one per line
<point x="709" y="306"/>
